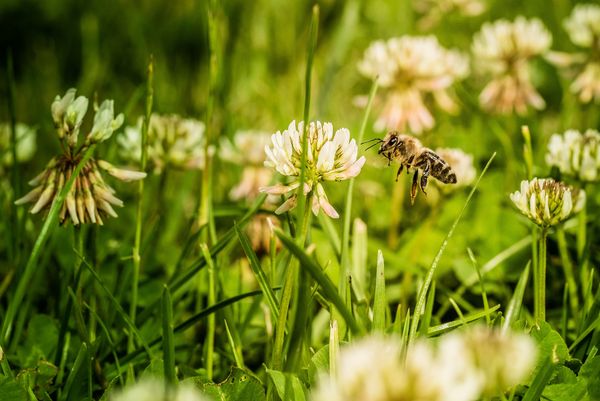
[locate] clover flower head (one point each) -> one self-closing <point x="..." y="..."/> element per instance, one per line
<point x="462" y="165"/>
<point x="412" y="69"/>
<point x="583" y="25"/>
<point x="502" y="359"/>
<point x="576" y="154"/>
<point x="155" y="390"/>
<point x="90" y="199"/>
<point x="547" y="202"/>
<point x="329" y="157"/>
<point x="173" y="141"/>
<point x="502" y="49"/>
<point x="247" y="149"/>
<point x="26" y="144"/>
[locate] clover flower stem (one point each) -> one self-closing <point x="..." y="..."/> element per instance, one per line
<point x="31" y="266"/>
<point x="568" y="268"/>
<point x="581" y="233"/>
<point x="345" y="253"/>
<point x="539" y="300"/>
<point x="140" y="196"/>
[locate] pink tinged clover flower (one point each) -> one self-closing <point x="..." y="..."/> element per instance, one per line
<point x="330" y="157"/>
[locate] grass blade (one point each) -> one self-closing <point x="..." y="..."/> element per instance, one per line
<point x="379" y="301"/>
<point x="514" y="306"/>
<point x="168" y="341"/>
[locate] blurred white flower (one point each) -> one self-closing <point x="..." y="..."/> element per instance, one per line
<point x="503" y="360"/>
<point x="576" y="154"/>
<point x="411" y="70"/>
<point x="26" y="144"/>
<point x="434" y="11"/>
<point x="502" y="50"/>
<point x="248" y="150"/>
<point x="155" y="390"/>
<point x="330" y="157"/>
<point x="462" y="165"/>
<point x="583" y="27"/>
<point x="547" y="202"/>
<point x="173" y="141"/>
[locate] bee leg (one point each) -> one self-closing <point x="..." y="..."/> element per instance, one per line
<point x="409" y="164"/>
<point x="414" y="187"/>
<point x="399" y="171"/>
<point x="424" y="177"/>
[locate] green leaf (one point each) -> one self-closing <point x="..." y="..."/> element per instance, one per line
<point x="40" y="343"/>
<point x="239" y="385"/>
<point x="318" y="363"/>
<point x="288" y="386"/>
<point x="550" y="343"/>
<point x="10" y="390"/>
<point x="590" y="372"/>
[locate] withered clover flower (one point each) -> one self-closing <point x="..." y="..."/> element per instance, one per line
<point x="583" y="27"/>
<point x="502" y="50"/>
<point x="547" y="202"/>
<point x="90" y="199"/>
<point x="329" y="158"/>
<point x="576" y="154"/>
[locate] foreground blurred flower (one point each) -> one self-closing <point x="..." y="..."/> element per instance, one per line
<point x="583" y="27"/>
<point x="329" y="158"/>
<point x="466" y="364"/>
<point x="26" y="144"/>
<point x="248" y="151"/>
<point x="155" y="390"/>
<point x="576" y="154"/>
<point x="173" y="141"/>
<point x="90" y="198"/>
<point x="503" y="360"/>
<point x="462" y="165"/>
<point x="410" y="70"/>
<point x="435" y="10"/>
<point x="502" y="50"/>
<point x="547" y="202"/>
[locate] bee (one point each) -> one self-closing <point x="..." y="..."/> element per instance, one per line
<point x="412" y="154"/>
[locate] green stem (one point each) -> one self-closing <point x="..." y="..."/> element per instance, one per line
<point x="211" y="322"/>
<point x="345" y="254"/>
<point x="568" y="269"/>
<point x="539" y="306"/>
<point x="140" y="196"/>
<point x="581" y="233"/>
<point x="30" y="267"/>
<point x="15" y="171"/>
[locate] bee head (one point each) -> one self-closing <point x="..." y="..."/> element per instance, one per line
<point x="391" y="143"/>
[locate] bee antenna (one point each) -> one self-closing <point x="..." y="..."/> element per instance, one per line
<point x="371" y="140"/>
<point x="375" y="144"/>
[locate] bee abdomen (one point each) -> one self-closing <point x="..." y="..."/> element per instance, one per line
<point x="443" y="172"/>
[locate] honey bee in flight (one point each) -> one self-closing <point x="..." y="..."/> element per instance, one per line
<point x="412" y="154"/>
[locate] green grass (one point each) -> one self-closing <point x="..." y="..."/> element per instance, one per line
<point x="175" y="288"/>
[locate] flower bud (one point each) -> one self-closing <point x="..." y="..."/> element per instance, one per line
<point x="105" y="122"/>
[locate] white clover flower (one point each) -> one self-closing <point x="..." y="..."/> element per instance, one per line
<point x="248" y="150"/>
<point x="434" y="11"/>
<point x="462" y="165"/>
<point x="576" y="154"/>
<point x="502" y="360"/>
<point x="583" y="25"/>
<point x="26" y="144"/>
<point x="503" y="49"/>
<point x="172" y="141"/>
<point x="90" y="199"/>
<point x="547" y="202"/>
<point x="411" y="70"/>
<point x="329" y="158"/>
<point x="155" y="390"/>
<point x="372" y="369"/>
<point x="582" y="68"/>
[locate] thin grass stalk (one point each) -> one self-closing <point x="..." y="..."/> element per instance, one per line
<point x="422" y="297"/>
<point x="312" y="43"/>
<point x="205" y="213"/>
<point x="345" y="253"/>
<point x="568" y="270"/>
<point x="539" y="305"/>
<point x="211" y="320"/>
<point x="168" y="338"/>
<point x="136" y="258"/>
<point x="49" y="224"/>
